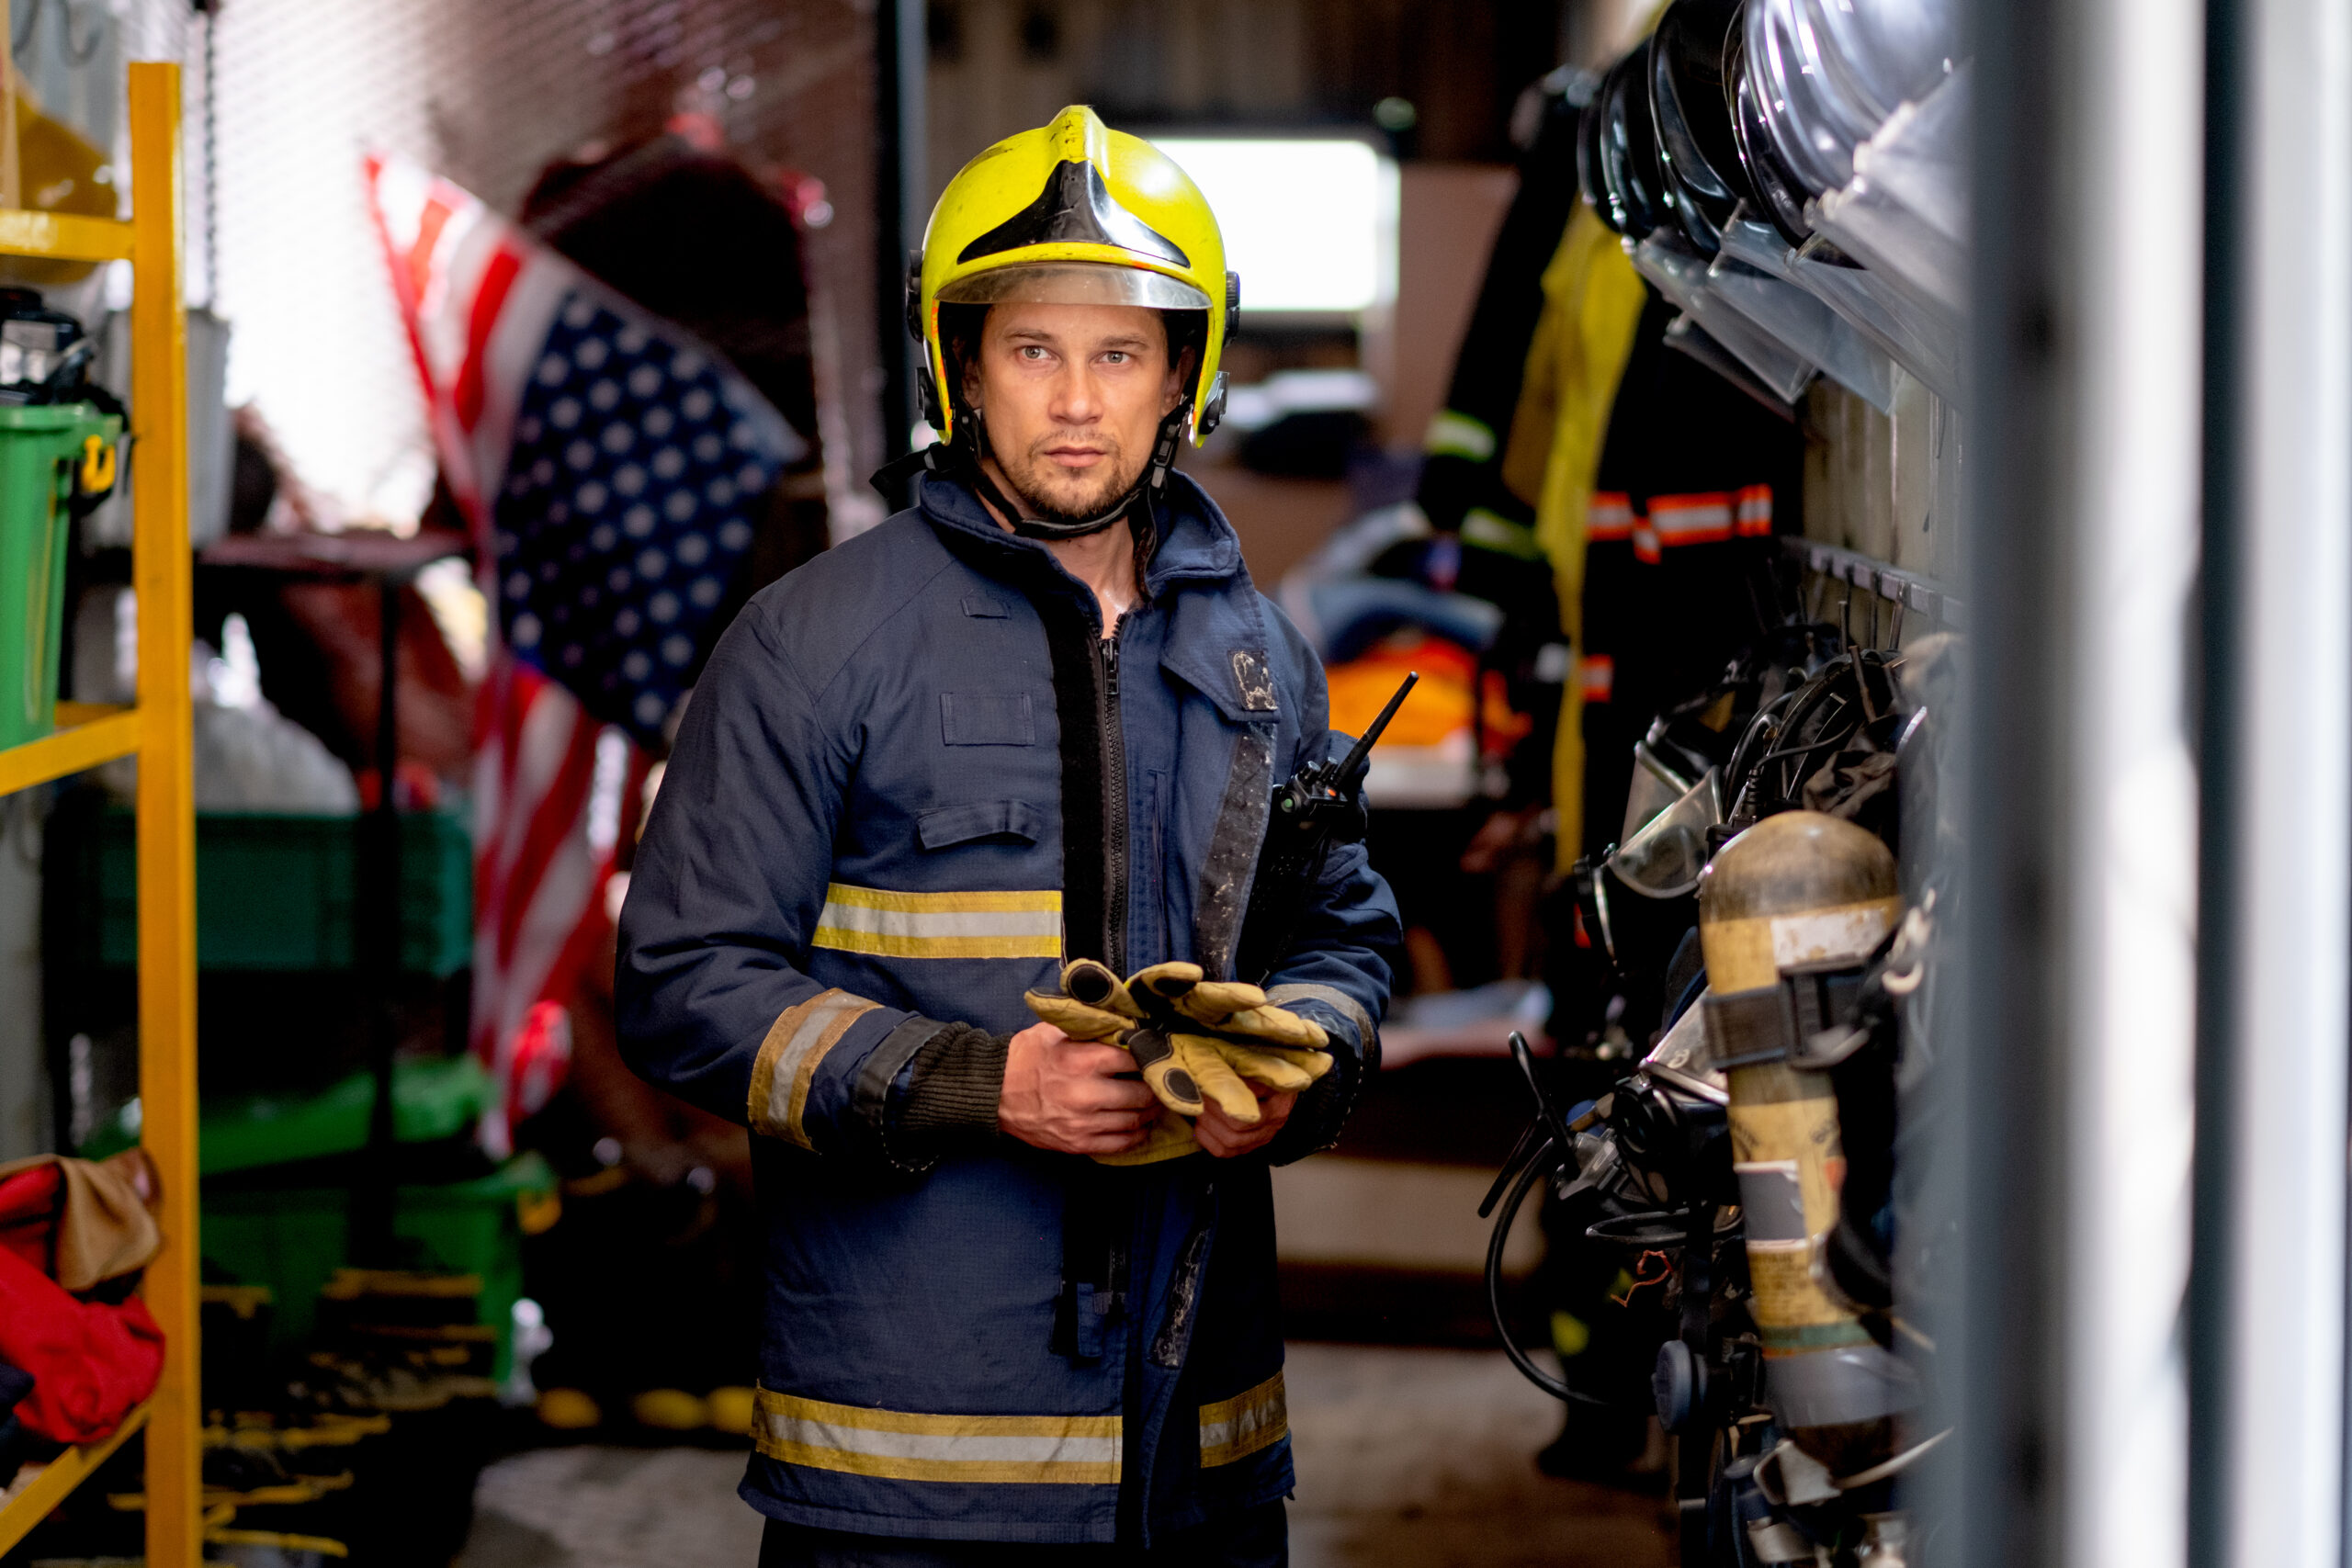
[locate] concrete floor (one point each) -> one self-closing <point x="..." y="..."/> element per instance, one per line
<point x="1407" y="1458"/>
<point x="1424" y="1459"/>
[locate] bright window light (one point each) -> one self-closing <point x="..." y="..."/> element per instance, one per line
<point x="1309" y="224"/>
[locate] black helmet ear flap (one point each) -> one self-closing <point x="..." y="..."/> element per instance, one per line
<point x="927" y="388"/>
<point x="1163" y="449"/>
<point x="926" y="382"/>
<point x="1213" y="410"/>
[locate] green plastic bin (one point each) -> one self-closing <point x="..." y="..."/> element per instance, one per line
<point x="293" y="1239"/>
<point x="278" y="893"/>
<point x="42" y="453"/>
<point x="431" y="1100"/>
<point x="292" y="1234"/>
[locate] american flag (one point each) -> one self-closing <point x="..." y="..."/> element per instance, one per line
<point x="608" y="464"/>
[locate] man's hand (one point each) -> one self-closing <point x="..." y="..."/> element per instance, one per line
<point x="1071" y="1096"/>
<point x="1225" y="1138"/>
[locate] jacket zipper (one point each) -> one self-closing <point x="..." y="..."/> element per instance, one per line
<point x="1114" y="800"/>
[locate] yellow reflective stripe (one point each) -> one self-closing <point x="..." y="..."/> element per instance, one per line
<point x="788" y="1058"/>
<point x="846" y="896"/>
<point x="1454" y="434"/>
<point x="843" y="940"/>
<point x="1237" y="1428"/>
<point x="898" y="1445"/>
<point x="1024" y="924"/>
<point x="1493" y="531"/>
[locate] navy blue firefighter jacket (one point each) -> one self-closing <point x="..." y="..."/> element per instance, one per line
<point x="910" y="782"/>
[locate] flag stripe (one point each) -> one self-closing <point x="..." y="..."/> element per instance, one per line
<point x="430" y="223"/>
<point x="490" y="294"/>
<point x="556" y="819"/>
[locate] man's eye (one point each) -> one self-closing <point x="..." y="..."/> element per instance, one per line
<point x="1117" y="356"/>
<point x="1030" y="351"/>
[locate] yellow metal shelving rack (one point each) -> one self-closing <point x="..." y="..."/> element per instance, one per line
<point x="157" y="731"/>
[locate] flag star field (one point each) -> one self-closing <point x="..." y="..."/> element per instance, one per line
<point x="635" y="467"/>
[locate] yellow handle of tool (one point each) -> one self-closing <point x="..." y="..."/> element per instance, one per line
<point x="97" y="465"/>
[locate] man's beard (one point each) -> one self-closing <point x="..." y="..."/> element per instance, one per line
<point x="1080" y="498"/>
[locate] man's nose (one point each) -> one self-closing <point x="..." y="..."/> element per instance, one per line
<point x="1078" y="397"/>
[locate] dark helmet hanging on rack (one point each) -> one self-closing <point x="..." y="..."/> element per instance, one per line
<point x="1629" y="146"/>
<point x="1773" y="193"/>
<point x="1698" y="153"/>
<point x="1593" y="179"/>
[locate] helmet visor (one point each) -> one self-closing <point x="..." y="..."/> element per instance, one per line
<point x="1073" y="283"/>
<point x="1664" y="859"/>
<point x="1656" y="786"/>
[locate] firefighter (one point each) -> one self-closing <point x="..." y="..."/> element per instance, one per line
<point x="1016" y="1306"/>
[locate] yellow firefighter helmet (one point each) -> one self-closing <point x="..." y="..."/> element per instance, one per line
<point x="1073" y="213"/>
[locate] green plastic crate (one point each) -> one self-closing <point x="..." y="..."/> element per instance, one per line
<point x="40" y="454"/>
<point x="431" y="1100"/>
<point x="274" y="892"/>
<point x="293" y="1239"/>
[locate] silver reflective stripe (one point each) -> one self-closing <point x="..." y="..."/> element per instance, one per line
<point x="899" y="922"/>
<point x="1022" y="923"/>
<point x="788" y="1061"/>
<point x="1235" y="1428"/>
<point x="1345" y="1005"/>
<point x="945" y="1449"/>
<point x="905" y="1446"/>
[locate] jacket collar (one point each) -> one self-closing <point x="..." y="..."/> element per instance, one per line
<point x="1216" y="642"/>
<point x="1196" y="543"/>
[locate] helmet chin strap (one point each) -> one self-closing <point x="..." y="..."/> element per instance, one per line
<point x="1154" y="478"/>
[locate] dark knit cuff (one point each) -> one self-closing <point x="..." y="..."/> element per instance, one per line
<point x="949" y="1105"/>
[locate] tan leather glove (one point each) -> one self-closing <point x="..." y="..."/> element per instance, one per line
<point x="1094" y="1005"/>
<point x="1270" y="1045"/>
<point x="1196" y="1040"/>
<point x="1169" y="1138"/>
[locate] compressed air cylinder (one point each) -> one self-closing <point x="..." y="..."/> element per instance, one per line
<point x="1797" y="889"/>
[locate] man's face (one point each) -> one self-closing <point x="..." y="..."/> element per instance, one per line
<point x="1072" y="395"/>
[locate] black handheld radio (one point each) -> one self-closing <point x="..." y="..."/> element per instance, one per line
<point x="1317" y="806"/>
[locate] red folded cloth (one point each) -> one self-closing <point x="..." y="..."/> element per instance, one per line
<point x="29" y="1205"/>
<point x="90" y="1362"/>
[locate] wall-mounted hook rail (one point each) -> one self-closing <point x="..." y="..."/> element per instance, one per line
<point x="1912" y="592"/>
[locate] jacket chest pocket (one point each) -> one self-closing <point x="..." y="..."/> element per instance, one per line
<point x="986" y="719"/>
<point x="979" y="822"/>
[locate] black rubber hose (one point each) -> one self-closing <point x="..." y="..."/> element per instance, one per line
<point x="1537" y="1169"/>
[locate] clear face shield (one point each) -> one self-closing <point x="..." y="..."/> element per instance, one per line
<point x="1664" y="859"/>
<point x="1074" y="283"/>
<point x="1657" y="785"/>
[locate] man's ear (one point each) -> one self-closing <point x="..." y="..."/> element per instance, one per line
<point x="1180" y="375"/>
